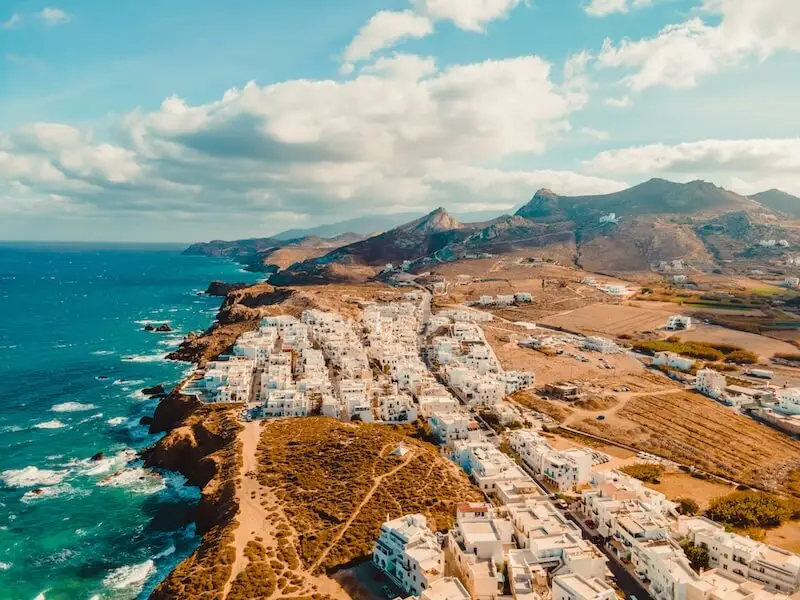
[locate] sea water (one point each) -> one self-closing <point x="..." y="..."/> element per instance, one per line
<point x="74" y="358"/>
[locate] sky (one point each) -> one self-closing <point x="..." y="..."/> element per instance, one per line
<point x="186" y="120"/>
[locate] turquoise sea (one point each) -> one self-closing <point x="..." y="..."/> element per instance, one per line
<point x="73" y="360"/>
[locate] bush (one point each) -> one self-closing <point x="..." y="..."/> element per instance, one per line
<point x="649" y="473"/>
<point x="687" y="506"/>
<point x="749" y="509"/>
<point x="698" y="557"/>
<point x="742" y="357"/>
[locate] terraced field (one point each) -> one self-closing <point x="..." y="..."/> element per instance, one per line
<point x="694" y="430"/>
<point x="610" y="319"/>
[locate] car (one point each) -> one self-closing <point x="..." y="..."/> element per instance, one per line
<point x="601" y="417"/>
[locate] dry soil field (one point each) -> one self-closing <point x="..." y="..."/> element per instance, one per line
<point x="691" y="429"/>
<point x="763" y="346"/>
<point x="610" y="319"/>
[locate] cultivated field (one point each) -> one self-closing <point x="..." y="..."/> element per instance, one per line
<point x="691" y="429"/>
<point x="763" y="346"/>
<point x="610" y="319"/>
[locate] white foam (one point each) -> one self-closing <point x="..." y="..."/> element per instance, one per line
<point x="92" y="418"/>
<point x="32" y="476"/>
<point x="10" y="429"/>
<point x="41" y="595"/>
<point x="171" y="341"/>
<point x="129" y="382"/>
<point x="54" y="491"/>
<point x="143" y="358"/>
<point x="168" y="552"/>
<point x="66" y="407"/>
<point x="136" y="479"/>
<point x="54" y="424"/>
<point x="103" y="352"/>
<point x="90" y="467"/>
<point x="139" y="395"/>
<point x="115" y="421"/>
<point x="130" y="577"/>
<point x="7" y="566"/>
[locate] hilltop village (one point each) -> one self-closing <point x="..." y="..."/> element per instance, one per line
<point x="558" y="520"/>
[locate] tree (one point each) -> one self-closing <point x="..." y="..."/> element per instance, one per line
<point x="687" y="506"/>
<point x="698" y="556"/>
<point x="749" y="509"/>
<point x="647" y="472"/>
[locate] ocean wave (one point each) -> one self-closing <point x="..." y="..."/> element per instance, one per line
<point x="143" y="358"/>
<point x="10" y="429"/>
<point x="116" y="421"/>
<point x="41" y="595"/>
<point x="129" y="382"/>
<point x="103" y="352"/>
<point x="6" y="566"/>
<point x="53" y="491"/>
<point x="139" y="395"/>
<point x="177" y="490"/>
<point x="165" y="553"/>
<point x="135" y="479"/>
<point x="54" y="424"/>
<point x="130" y="577"/>
<point x="171" y="341"/>
<point x="91" y="418"/>
<point x="32" y="476"/>
<point x="90" y="467"/>
<point x="151" y="321"/>
<point x="66" y="407"/>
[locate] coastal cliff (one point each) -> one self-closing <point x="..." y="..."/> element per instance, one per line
<point x="201" y="445"/>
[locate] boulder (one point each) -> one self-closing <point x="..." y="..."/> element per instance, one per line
<point x="149" y="327"/>
<point x="156" y="390"/>
<point x="98" y="456"/>
<point x="146" y="420"/>
<point x="164" y="328"/>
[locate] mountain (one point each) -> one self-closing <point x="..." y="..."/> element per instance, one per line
<point x="779" y="201"/>
<point x="423" y="237"/>
<point x="271" y="254"/>
<point x="654" y="197"/>
<point x="374" y="224"/>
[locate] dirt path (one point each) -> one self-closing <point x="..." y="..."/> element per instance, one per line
<point x="256" y="504"/>
<point x="251" y="515"/>
<point x="367" y="497"/>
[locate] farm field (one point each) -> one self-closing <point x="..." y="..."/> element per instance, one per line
<point x="787" y="536"/>
<point x="611" y="319"/>
<point x="694" y="430"/>
<point x="761" y="345"/>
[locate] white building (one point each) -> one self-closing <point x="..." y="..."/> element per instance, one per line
<point x="453" y="426"/>
<point x="229" y="380"/>
<point x="563" y="469"/>
<point x="772" y="567"/>
<point x="477" y="546"/>
<point x="599" y="344"/>
<point x="711" y="383"/>
<point x="609" y="218"/>
<point x="409" y="553"/>
<point x="679" y="322"/>
<point x="576" y="587"/>
<point x="675" y="361"/>
<point x="523" y="297"/>
<point x="397" y="408"/>
<point x="788" y="400"/>
<point x="487" y="465"/>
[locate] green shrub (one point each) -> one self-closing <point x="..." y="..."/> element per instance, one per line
<point x="749" y="509"/>
<point x="649" y="473"/>
<point x="698" y="557"/>
<point x="687" y="506"/>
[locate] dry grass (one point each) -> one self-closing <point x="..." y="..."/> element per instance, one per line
<point x="761" y="345"/>
<point x="552" y="408"/>
<point x="691" y="429"/>
<point x="322" y="470"/>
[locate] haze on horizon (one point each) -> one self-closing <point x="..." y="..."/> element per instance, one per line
<point x="196" y="119"/>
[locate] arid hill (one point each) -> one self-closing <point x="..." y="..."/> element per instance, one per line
<point x="779" y="201"/>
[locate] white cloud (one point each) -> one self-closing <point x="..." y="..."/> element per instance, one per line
<point x="470" y="15"/>
<point x="384" y="30"/>
<point x="764" y="163"/>
<point x="401" y="134"/>
<point x="597" y="134"/>
<point x="623" y="102"/>
<point x="603" y="8"/>
<point x="15" y="20"/>
<point x="54" y="16"/>
<point x="682" y="53"/>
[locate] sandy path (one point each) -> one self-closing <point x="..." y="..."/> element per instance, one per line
<point x="256" y="502"/>
<point x="623" y="398"/>
<point x="251" y="515"/>
<point x="367" y="497"/>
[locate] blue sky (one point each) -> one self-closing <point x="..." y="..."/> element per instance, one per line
<point x="195" y="119"/>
